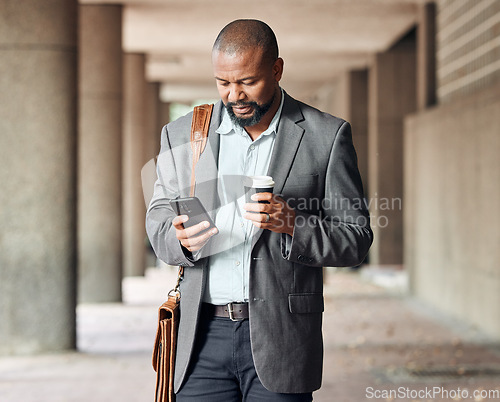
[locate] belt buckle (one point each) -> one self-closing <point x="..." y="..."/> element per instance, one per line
<point x="231" y="311"/>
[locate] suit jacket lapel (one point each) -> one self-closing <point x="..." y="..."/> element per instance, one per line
<point x="286" y="143"/>
<point x="207" y="166"/>
<point x="285" y="147"/>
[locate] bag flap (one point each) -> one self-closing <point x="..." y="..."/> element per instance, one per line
<point x="167" y="311"/>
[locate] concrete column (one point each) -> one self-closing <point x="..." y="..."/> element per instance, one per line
<point x="38" y="92"/>
<point x="99" y="154"/>
<point x="134" y="134"/>
<point x="151" y="146"/>
<point x="163" y="119"/>
<point x="164" y="115"/>
<point x="152" y="149"/>
<point x="426" y="56"/>
<point x="392" y="95"/>
<point x="156" y="122"/>
<point x="152" y="143"/>
<point x="353" y="106"/>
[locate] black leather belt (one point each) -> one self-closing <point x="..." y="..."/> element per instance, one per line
<point x="233" y="311"/>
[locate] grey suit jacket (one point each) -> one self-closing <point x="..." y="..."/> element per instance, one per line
<point x="314" y="167"/>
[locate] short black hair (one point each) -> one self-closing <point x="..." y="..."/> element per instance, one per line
<point x="245" y="34"/>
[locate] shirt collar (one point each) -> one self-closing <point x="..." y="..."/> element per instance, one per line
<point x="227" y="126"/>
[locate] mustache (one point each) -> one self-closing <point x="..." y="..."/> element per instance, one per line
<point x="241" y="104"/>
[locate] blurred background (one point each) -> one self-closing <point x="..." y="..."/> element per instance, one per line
<point x="85" y="88"/>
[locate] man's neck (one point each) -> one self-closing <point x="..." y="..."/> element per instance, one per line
<point x="256" y="130"/>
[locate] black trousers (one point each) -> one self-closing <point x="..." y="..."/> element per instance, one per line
<point x="222" y="367"/>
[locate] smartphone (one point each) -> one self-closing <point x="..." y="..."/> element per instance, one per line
<point x="193" y="208"/>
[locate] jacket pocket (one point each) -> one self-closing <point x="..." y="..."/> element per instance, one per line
<point x="300" y="303"/>
<point x="302" y="181"/>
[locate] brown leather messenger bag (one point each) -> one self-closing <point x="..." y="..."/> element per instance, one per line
<point x="168" y="313"/>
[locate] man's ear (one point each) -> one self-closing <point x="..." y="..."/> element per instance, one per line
<point x="278" y="69"/>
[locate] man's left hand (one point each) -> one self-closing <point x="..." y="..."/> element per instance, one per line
<point x="276" y="216"/>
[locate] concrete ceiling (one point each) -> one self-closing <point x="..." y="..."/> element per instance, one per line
<point x="317" y="38"/>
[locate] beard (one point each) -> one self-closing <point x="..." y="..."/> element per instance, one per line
<point x="258" y="114"/>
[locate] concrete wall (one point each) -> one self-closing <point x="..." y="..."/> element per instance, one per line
<point x="452" y="219"/>
<point x="468" y="51"/>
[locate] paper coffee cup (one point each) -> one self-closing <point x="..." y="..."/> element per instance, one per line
<point x="258" y="184"/>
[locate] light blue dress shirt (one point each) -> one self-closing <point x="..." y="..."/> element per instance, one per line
<point x="239" y="156"/>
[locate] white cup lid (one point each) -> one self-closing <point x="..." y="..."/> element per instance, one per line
<point x="259" y="181"/>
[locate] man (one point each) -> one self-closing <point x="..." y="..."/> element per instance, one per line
<point x="264" y="260"/>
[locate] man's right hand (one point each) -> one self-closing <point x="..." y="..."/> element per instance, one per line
<point x="190" y="238"/>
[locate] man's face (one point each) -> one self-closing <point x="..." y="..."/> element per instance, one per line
<point x="247" y="84"/>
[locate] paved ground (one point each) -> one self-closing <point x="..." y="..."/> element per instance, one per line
<point x="379" y="345"/>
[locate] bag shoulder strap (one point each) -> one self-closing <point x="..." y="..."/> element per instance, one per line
<point x="199" y="133"/>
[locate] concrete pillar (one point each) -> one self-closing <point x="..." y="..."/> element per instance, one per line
<point x="154" y="111"/>
<point x="99" y="154"/>
<point x="152" y="149"/>
<point x="152" y="142"/>
<point x="134" y="134"/>
<point x="38" y="92"/>
<point x="353" y="106"/>
<point x="164" y="115"/>
<point x="392" y="95"/>
<point x="426" y="56"/>
<point x="163" y="119"/>
<point x="156" y="122"/>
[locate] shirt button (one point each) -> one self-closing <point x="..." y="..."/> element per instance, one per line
<point x="252" y="147"/>
<point x="237" y="263"/>
<point x="242" y="224"/>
